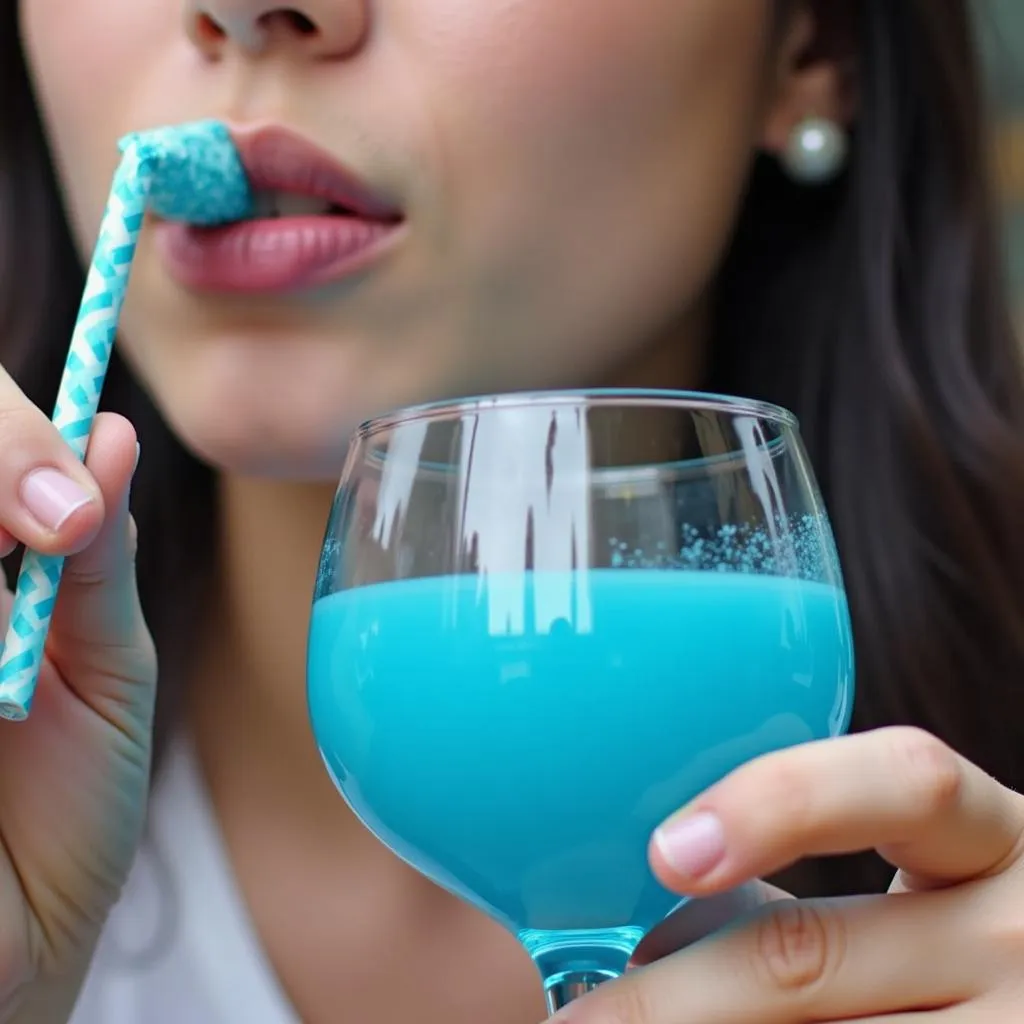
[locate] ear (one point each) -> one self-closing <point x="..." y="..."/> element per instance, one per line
<point x="813" y="71"/>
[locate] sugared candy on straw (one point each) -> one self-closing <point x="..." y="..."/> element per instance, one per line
<point x="190" y="173"/>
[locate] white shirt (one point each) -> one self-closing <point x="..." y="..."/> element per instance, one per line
<point x="179" y="947"/>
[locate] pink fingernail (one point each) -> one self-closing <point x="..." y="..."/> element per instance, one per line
<point x="52" y="497"/>
<point x="693" y="846"/>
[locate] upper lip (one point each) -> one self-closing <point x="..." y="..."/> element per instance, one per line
<point x="278" y="160"/>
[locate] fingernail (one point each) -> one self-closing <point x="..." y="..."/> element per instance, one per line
<point x="693" y="845"/>
<point x="138" y="455"/>
<point x="52" y="497"/>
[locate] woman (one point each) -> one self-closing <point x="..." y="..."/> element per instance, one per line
<point x="783" y="199"/>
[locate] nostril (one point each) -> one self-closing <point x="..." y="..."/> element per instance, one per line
<point x="301" y="23"/>
<point x="291" y="19"/>
<point x="208" y="30"/>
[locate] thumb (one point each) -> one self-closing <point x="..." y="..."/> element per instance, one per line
<point x="99" y="641"/>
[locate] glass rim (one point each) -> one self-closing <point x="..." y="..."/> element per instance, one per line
<point x="627" y="474"/>
<point x="593" y="397"/>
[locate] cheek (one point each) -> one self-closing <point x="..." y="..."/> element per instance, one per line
<point x="522" y="87"/>
<point x="595" y="153"/>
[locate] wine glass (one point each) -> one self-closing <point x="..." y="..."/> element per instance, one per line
<point x="543" y="622"/>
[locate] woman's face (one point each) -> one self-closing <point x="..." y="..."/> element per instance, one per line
<point x="567" y="175"/>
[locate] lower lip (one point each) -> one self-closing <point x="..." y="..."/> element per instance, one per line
<point x="283" y="254"/>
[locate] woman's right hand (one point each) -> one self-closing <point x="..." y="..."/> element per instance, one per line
<point x="74" y="777"/>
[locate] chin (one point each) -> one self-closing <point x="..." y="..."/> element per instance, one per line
<point x="249" y="407"/>
<point x="276" y="444"/>
<point x="295" y="466"/>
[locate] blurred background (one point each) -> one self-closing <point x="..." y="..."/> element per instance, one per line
<point x="1002" y="39"/>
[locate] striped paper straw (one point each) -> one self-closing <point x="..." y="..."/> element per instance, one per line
<point x="188" y="173"/>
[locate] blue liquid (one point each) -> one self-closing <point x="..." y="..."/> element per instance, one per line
<point x="517" y="739"/>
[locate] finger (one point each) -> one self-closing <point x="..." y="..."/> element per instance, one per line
<point x="99" y="641"/>
<point x="926" y="809"/>
<point x="6" y="601"/>
<point x="8" y="542"/>
<point x="698" y="918"/>
<point x="810" y="961"/>
<point x="48" y="500"/>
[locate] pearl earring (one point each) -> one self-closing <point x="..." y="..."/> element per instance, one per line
<point x="816" y="151"/>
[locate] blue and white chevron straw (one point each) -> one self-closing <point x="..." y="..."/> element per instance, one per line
<point x="188" y="173"/>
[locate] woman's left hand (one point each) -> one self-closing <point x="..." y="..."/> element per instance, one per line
<point x="945" y="946"/>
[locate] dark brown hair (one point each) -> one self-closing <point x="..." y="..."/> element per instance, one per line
<point x="874" y="308"/>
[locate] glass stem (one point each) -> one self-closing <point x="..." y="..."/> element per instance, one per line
<point x="573" y="963"/>
<point x="564" y="988"/>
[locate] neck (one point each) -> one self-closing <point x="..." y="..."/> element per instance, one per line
<point x="248" y="705"/>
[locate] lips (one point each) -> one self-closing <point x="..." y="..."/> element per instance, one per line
<point x="278" y="161"/>
<point x="316" y="222"/>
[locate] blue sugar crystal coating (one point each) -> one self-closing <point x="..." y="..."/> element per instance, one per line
<point x="196" y="173"/>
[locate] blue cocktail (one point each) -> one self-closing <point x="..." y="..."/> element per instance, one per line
<point x="519" y="667"/>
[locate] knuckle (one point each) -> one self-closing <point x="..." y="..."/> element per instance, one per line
<point x="87" y="579"/>
<point x="798" y="946"/>
<point x="929" y="770"/>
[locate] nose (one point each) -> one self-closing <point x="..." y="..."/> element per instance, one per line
<point x="317" y="28"/>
